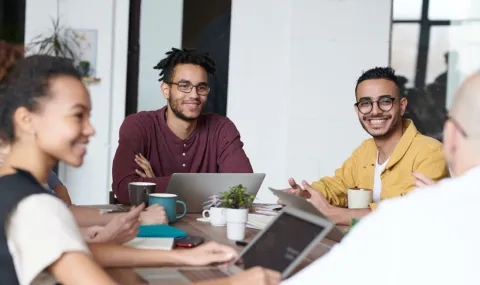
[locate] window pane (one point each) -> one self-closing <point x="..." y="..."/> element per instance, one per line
<point x="438" y="48"/>
<point x="407" y="9"/>
<point x="462" y="42"/>
<point x="453" y="10"/>
<point x="404" y="49"/>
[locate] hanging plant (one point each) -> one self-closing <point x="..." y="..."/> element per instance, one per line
<point x="61" y="42"/>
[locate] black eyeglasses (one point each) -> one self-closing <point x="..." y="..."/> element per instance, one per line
<point x="457" y="125"/>
<point x="385" y="104"/>
<point x="187" y="87"/>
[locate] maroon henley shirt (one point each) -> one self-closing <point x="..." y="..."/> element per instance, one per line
<point x="213" y="147"/>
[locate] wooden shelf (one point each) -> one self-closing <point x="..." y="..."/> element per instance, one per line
<point x="91" y="79"/>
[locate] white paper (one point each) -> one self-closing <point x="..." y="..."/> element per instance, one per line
<point x="258" y="221"/>
<point x="151" y="243"/>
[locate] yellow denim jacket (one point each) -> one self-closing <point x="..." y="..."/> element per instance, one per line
<point x="413" y="153"/>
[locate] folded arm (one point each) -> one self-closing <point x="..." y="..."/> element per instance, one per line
<point x="131" y="142"/>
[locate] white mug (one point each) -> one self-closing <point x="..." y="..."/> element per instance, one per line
<point x="216" y="216"/>
<point x="359" y="199"/>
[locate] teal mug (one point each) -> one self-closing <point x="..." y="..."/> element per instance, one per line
<point x="169" y="202"/>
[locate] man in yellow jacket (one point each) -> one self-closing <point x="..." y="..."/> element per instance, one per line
<point x="385" y="163"/>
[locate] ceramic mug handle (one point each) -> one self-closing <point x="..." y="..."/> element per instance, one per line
<point x="204" y="214"/>
<point x="184" y="209"/>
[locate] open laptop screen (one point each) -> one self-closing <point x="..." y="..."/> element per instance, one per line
<point x="286" y="238"/>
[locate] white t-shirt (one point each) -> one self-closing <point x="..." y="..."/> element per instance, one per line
<point x="40" y="230"/>
<point x="430" y="236"/>
<point x="377" y="181"/>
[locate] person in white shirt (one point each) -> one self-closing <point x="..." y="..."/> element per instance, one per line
<point x="95" y="226"/>
<point x="428" y="237"/>
<point x="45" y="118"/>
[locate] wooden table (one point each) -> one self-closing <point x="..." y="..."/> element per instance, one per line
<point x="193" y="227"/>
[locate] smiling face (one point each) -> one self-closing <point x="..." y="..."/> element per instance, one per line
<point x="382" y="118"/>
<point x="62" y="123"/>
<point x="186" y="105"/>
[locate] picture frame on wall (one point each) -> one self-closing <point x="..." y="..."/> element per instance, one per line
<point x="87" y="51"/>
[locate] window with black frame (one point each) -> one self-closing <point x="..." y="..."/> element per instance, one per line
<point x="434" y="46"/>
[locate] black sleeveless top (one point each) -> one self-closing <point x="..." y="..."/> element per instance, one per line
<point x="13" y="188"/>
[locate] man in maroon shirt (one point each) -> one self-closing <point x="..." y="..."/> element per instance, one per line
<point x="177" y="138"/>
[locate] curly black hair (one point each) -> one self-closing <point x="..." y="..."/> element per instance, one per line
<point x="183" y="56"/>
<point x="387" y="73"/>
<point x="9" y="55"/>
<point x="27" y="82"/>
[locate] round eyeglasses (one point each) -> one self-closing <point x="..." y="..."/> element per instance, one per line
<point x="385" y="104"/>
<point x="187" y="87"/>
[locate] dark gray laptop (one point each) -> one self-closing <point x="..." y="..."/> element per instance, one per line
<point x="301" y="203"/>
<point x="196" y="188"/>
<point x="280" y="246"/>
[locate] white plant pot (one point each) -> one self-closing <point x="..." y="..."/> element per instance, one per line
<point x="236" y="223"/>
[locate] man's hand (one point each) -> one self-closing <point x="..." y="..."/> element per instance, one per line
<point x="294" y="189"/>
<point x="145" y="165"/>
<point x="122" y="228"/>
<point x="206" y="254"/>
<point x="258" y="276"/>
<point x="337" y="215"/>
<point x="317" y="199"/>
<point x="422" y="181"/>
<point x="154" y="215"/>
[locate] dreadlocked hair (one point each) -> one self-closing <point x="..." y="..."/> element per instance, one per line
<point x="184" y="56"/>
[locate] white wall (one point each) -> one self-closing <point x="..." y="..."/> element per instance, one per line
<point x="160" y="30"/>
<point x="91" y="183"/>
<point x="292" y="77"/>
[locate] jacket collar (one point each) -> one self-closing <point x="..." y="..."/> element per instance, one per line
<point x="404" y="143"/>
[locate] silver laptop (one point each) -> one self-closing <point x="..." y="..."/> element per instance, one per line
<point x="196" y="188"/>
<point x="280" y="246"/>
<point x="301" y="203"/>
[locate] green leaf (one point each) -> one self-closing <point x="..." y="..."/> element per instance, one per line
<point x="237" y="198"/>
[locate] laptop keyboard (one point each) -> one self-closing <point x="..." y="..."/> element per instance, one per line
<point x="205" y="274"/>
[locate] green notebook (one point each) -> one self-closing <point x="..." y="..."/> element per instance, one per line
<point x="160" y="231"/>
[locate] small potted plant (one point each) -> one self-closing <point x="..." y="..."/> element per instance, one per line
<point x="84" y="68"/>
<point x="237" y="201"/>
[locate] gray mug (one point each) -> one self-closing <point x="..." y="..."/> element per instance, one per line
<point x="138" y="192"/>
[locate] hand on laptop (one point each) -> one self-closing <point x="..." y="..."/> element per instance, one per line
<point x="147" y="171"/>
<point x="206" y="254"/>
<point x="422" y="180"/>
<point x="257" y="276"/>
<point x="153" y="215"/>
<point x="294" y="190"/>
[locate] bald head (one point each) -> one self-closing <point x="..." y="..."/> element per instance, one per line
<point x="466" y="106"/>
<point x="461" y="141"/>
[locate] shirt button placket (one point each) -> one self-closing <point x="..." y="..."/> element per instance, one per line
<point x="184" y="146"/>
